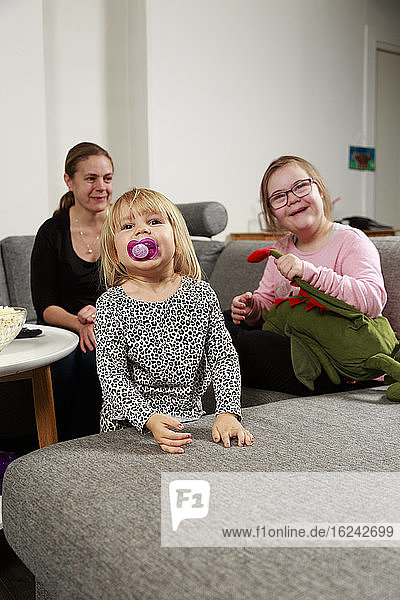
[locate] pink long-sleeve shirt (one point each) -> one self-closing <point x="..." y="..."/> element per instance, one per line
<point x="346" y="267"/>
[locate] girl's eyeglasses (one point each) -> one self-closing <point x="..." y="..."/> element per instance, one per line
<point x="300" y="189"/>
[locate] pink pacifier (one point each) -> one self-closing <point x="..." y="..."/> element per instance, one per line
<point x="145" y="249"/>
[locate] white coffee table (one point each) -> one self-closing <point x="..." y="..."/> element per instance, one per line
<point x="30" y="359"/>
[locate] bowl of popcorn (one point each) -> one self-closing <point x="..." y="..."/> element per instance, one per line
<point x="12" y="319"/>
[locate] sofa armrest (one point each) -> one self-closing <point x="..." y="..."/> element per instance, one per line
<point x="204" y="219"/>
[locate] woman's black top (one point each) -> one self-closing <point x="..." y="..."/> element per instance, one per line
<point x="58" y="275"/>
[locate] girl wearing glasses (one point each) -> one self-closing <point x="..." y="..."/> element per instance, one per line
<point x="337" y="259"/>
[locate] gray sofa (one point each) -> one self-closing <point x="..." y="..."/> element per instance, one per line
<point x="84" y="515"/>
<point x="17" y="420"/>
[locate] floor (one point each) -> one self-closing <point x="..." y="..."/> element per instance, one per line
<point x="16" y="581"/>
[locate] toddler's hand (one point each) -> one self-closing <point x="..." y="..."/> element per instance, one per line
<point x="168" y="440"/>
<point x="241" y="306"/>
<point x="226" y="426"/>
<point x="290" y="266"/>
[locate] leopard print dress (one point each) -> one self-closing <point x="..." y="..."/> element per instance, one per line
<point x="159" y="357"/>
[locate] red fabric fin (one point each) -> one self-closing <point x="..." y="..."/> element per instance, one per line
<point x="293" y="300"/>
<point x="277" y="301"/>
<point x="303" y="293"/>
<point x="259" y="255"/>
<point x="312" y="303"/>
<point x="299" y="299"/>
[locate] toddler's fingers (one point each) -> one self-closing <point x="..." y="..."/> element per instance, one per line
<point x="169" y="436"/>
<point x="215" y="436"/>
<point x="240" y="437"/>
<point x="171" y="449"/>
<point x="226" y="439"/>
<point x="176" y="443"/>
<point x="172" y="422"/>
<point x="248" y="438"/>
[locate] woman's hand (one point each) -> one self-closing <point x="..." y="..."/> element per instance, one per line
<point x="241" y="307"/>
<point x="86" y="318"/>
<point x="87" y="314"/>
<point x="226" y="426"/>
<point x="290" y="266"/>
<point x="168" y="440"/>
<point x="55" y="315"/>
<point x="86" y="337"/>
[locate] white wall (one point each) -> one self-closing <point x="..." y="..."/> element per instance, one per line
<point x="72" y="70"/>
<point x="93" y="50"/>
<point x="23" y="196"/>
<point x="235" y="83"/>
<point x="191" y="97"/>
<point x="76" y="101"/>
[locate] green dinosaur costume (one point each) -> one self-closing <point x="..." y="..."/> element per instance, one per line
<point x="326" y="333"/>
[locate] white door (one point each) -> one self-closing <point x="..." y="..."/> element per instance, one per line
<point x="387" y="138"/>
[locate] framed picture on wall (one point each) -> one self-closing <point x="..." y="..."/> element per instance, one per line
<point x="362" y="158"/>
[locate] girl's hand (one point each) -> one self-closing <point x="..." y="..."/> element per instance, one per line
<point x="241" y="306"/>
<point x="290" y="266"/>
<point x="87" y="314"/>
<point x="86" y="337"/>
<point x="168" y="440"/>
<point x="226" y="426"/>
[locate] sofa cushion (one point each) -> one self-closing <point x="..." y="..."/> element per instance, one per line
<point x="16" y="252"/>
<point x="84" y="515"/>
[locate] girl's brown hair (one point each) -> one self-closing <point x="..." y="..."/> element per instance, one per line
<point x="270" y="219"/>
<point x="80" y="152"/>
<point x="142" y="200"/>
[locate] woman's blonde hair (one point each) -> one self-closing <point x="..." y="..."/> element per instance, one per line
<point x="142" y="200"/>
<point x="270" y="219"/>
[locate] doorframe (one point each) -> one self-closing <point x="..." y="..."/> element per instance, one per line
<point x="383" y="53"/>
<point x="372" y="43"/>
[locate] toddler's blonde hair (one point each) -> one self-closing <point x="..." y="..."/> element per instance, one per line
<point x="142" y="200"/>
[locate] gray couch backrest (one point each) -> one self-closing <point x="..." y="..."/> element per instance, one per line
<point x="389" y="250"/>
<point x="16" y="255"/>
<point x="232" y="275"/>
<point x="4" y="297"/>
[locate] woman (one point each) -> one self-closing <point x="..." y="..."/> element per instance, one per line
<point x="65" y="282"/>
<point x="337" y="259"/>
